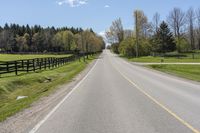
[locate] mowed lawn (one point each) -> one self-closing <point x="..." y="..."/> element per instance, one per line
<point x="191" y="72"/>
<point x="188" y="57"/>
<point x="11" y="57"/>
<point x="34" y="85"/>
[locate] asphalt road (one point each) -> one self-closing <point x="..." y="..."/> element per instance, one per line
<point x="118" y="97"/>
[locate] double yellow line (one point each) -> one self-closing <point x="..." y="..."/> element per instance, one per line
<point x="157" y="102"/>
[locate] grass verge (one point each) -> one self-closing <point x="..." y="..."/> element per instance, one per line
<point x="152" y="59"/>
<point x="35" y="86"/>
<point x="191" y="72"/>
<point x="172" y="57"/>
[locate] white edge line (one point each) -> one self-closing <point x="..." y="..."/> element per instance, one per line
<point x="61" y="102"/>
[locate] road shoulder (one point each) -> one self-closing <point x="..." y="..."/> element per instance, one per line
<point x="25" y="120"/>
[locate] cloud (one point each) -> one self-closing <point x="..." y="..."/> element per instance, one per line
<point x="106" y="6"/>
<point x="102" y="33"/>
<point x="72" y="3"/>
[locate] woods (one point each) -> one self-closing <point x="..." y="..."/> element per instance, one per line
<point x="16" y="38"/>
<point x="180" y="32"/>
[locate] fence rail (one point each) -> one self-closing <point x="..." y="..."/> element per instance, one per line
<point x="29" y="65"/>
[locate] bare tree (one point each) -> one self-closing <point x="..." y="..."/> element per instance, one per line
<point x="176" y="20"/>
<point x="128" y="33"/>
<point x="116" y="32"/>
<point x="190" y="17"/>
<point x="198" y="26"/>
<point x="141" y="27"/>
<point x="156" y="21"/>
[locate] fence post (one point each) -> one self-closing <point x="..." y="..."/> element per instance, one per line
<point x="37" y="63"/>
<point x="53" y="62"/>
<point x="27" y="69"/>
<point x="34" y="65"/>
<point x="45" y="63"/>
<point x="49" y="63"/>
<point x="15" y="67"/>
<point x="58" y="62"/>
<point x="40" y="63"/>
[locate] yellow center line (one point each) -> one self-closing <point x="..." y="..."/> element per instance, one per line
<point x="158" y="103"/>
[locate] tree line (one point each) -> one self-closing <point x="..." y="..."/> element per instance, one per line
<point x="16" y="38"/>
<point x="179" y="32"/>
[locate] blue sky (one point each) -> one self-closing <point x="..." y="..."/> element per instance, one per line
<point x="97" y="14"/>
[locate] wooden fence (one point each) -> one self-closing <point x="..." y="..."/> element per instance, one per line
<point x="29" y="65"/>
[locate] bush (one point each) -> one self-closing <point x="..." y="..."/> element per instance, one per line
<point x="128" y="47"/>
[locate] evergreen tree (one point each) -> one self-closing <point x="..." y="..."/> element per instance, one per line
<point x="16" y="38"/>
<point x="164" y="40"/>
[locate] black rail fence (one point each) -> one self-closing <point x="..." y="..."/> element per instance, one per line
<point x="29" y="65"/>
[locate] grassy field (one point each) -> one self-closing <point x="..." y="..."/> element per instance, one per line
<point x="35" y="86"/>
<point x="10" y="57"/>
<point x="191" y="72"/>
<point x="186" y="58"/>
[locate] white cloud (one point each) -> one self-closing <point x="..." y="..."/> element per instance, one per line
<point x="72" y="3"/>
<point x="102" y="33"/>
<point x="106" y="6"/>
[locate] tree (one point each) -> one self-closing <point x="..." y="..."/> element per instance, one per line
<point x="4" y="38"/>
<point x="115" y="48"/>
<point x="16" y="38"/>
<point x="91" y="42"/>
<point x="22" y="42"/>
<point x="176" y="20"/>
<point x="156" y="21"/>
<point x="198" y="26"/>
<point x="67" y="39"/>
<point x="184" y="44"/>
<point x="7" y="40"/>
<point x="141" y="27"/>
<point x="190" y="20"/>
<point x="164" y="39"/>
<point x="116" y="33"/>
<point x="38" y="43"/>
<point x="85" y="40"/>
<point x="57" y="42"/>
<point x="127" y="47"/>
<point x="128" y="33"/>
<point x="78" y="42"/>
<point x="47" y="36"/>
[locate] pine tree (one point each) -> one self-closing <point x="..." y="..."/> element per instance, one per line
<point x="164" y="40"/>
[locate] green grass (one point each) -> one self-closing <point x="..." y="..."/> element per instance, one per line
<point x="191" y="72"/>
<point x="10" y="57"/>
<point x="166" y="59"/>
<point x="35" y="86"/>
<point x="187" y="58"/>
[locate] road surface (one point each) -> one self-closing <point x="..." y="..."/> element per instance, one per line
<point x="118" y="97"/>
